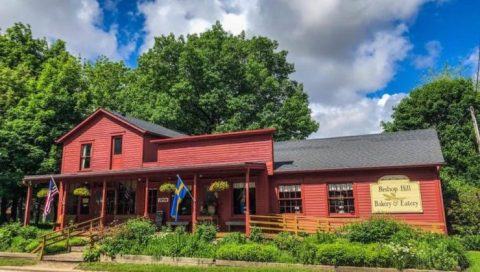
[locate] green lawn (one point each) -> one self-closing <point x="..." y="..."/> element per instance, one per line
<point x="16" y="262"/>
<point x="169" y="268"/>
<point x="474" y="258"/>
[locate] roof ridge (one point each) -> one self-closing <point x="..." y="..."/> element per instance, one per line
<point x="360" y="135"/>
<point x="126" y="118"/>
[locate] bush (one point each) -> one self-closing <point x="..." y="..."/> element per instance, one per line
<point x="248" y="252"/>
<point x="354" y="254"/>
<point x="286" y="241"/>
<point x="137" y="231"/>
<point x="471" y="242"/>
<point x="235" y="238"/>
<point x="376" y="230"/>
<point x="206" y="232"/>
<point x="178" y="243"/>
<point x="256" y="235"/>
<point x="15" y="237"/>
<point x="325" y="237"/>
<point x="91" y="254"/>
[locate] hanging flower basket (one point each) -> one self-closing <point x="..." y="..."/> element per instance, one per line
<point x="167" y="188"/>
<point x="42" y="193"/>
<point x="81" y="191"/>
<point x="218" y="186"/>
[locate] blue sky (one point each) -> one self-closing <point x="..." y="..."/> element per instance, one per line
<point x="356" y="59"/>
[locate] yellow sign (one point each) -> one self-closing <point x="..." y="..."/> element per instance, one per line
<point x="396" y="194"/>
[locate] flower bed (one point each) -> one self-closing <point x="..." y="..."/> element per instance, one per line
<point x="374" y="243"/>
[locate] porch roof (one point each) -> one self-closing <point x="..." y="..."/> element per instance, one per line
<point x="146" y="171"/>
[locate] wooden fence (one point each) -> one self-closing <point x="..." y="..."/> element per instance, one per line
<point x="311" y="224"/>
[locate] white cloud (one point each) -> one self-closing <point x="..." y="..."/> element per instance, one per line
<point x="433" y="48"/>
<point x="471" y="63"/>
<point x="75" y="22"/>
<point x="361" y="117"/>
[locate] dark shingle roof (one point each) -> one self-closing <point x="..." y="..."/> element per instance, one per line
<point x="147" y="126"/>
<point x="405" y="148"/>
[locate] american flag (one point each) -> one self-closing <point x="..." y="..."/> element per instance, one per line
<point x="52" y="192"/>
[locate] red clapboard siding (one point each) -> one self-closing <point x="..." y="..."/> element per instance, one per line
<point x="241" y="149"/>
<point x="315" y="195"/>
<point x="99" y="132"/>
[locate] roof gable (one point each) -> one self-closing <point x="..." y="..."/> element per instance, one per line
<point x="136" y="124"/>
<point x="398" y="149"/>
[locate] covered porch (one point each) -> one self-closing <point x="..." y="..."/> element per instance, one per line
<point x="117" y="195"/>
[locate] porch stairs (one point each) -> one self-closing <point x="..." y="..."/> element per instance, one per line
<point x="92" y="230"/>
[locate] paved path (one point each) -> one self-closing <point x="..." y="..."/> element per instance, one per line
<point x="43" y="267"/>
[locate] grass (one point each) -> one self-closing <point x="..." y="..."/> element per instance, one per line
<point x="171" y="268"/>
<point x="62" y="245"/>
<point x="474" y="258"/>
<point x="16" y="262"/>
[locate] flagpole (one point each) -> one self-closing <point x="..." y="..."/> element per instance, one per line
<point x="188" y="191"/>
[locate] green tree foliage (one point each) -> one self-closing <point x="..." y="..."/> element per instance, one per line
<point x="216" y="82"/>
<point x="443" y="103"/>
<point x="212" y="82"/>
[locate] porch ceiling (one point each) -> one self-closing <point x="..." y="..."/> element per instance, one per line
<point x="151" y="171"/>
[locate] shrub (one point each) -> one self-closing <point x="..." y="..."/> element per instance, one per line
<point x="91" y="254"/>
<point x="375" y="230"/>
<point x="354" y="254"/>
<point x="471" y="242"/>
<point x="206" y="232"/>
<point x="286" y="241"/>
<point x="138" y="230"/>
<point x="15" y="237"/>
<point x="179" y="243"/>
<point x="248" y="252"/>
<point x="325" y="237"/>
<point x="235" y="238"/>
<point x="256" y="235"/>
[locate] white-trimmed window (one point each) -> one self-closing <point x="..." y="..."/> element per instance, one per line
<point x="85" y="156"/>
<point x="290" y="198"/>
<point x="340" y="198"/>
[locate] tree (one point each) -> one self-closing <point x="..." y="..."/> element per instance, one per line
<point x="443" y="104"/>
<point x="218" y="82"/>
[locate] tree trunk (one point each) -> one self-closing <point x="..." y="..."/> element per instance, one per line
<point x="3" y="210"/>
<point x="14" y="210"/>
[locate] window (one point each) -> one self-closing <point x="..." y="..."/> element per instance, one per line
<point x="117" y="145"/>
<point x="85" y="156"/>
<point x="126" y="198"/>
<point x="290" y="197"/>
<point x="340" y="198"/>
<point x="239" y="198"/>
<point x="152" y="200"/>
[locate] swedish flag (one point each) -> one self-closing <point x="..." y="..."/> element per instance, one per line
<point x="180" y="194"/>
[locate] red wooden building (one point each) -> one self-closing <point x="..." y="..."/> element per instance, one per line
<point x="123" y="161"/>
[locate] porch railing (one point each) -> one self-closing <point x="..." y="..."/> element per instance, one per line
<point x="89" y="228"/>
<point x="310" y="224"/>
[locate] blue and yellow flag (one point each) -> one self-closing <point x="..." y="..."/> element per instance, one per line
<point x="180" y="194"/>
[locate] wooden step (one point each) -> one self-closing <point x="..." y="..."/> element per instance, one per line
<point x="77" y="248"/>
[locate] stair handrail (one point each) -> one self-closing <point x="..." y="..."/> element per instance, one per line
<point x="67" y="233"/>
